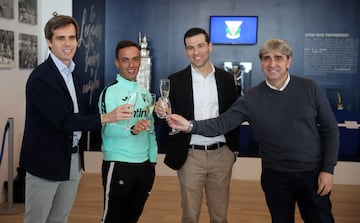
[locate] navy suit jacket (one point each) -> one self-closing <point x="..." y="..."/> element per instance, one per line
<point x="49" y="123"/>
<point x="182" y="102"/>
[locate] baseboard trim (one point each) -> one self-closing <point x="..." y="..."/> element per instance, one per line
<point x="245" y="168"/>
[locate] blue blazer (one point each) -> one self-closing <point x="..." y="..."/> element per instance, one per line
<point x="182" y="101"/>
<point x="49" y="123"/>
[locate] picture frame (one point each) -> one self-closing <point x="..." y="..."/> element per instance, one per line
<point x="7" y="54"/>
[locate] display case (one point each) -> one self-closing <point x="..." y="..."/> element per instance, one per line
<point x="241" y="72"/>
<point x="144" y="75"/>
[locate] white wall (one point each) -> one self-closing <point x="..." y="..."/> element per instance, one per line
<point x="12" y="81"/>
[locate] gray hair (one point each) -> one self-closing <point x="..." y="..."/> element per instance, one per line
<point x="276" y="44"/>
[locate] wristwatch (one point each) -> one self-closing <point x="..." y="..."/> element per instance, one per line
<point x="191" y="126"/>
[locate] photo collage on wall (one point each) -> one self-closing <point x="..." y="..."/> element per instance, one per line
<point x="27" y="51"/>
<point x="28" y="44"/>
<point x="7" y="58"/>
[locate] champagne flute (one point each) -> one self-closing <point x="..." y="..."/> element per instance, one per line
<point x="131" y="99"/>
<point x="164" y="92"/>
<point x="165" y="102"/>
<point x="150" y="108"/>
<point x="164" y="87"/>
<point x="167" y="107"/>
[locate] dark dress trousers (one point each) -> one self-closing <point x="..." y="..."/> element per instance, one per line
<point x="49" y="123"/>
<point x="182" y="102"/>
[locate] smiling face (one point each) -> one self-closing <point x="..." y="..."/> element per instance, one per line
<point x="198" y="51"/>
<point x="275" y="57"/>
<point x="275" y="66"/>
<point x="63" y="43"/>
<point x="128" y="61"/>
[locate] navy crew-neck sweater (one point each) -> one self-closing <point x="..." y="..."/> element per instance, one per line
<point x="295" y="128"/>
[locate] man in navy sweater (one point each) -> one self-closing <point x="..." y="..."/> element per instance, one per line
<point x="297" y="133"/>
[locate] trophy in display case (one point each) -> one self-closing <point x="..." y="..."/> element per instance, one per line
<point x="241" y="72"/>
<point x="340" y="105"/>
<point x="144" y="75"/>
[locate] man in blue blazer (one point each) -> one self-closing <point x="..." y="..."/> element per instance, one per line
<point x="51" y="153"/>
<point x="202" y="91"/>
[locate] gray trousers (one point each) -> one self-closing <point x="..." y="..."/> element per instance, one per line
<point x="49" y="201"/>
<point x="208" y="171"/>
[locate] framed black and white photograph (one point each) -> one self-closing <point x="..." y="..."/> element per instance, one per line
<point x="28" y="11"/>
<point x="28" y="45"/>
<point x="7" y="58"/>
<point x="7" y="9"/>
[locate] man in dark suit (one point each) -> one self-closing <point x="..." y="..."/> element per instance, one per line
<point x="51" y="154"/>
<point x="201" y="91"/>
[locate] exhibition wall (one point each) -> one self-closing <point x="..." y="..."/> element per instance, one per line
<point x="324" y="36"/>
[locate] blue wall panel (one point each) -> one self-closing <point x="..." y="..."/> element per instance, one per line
<point x="165" y="21"/>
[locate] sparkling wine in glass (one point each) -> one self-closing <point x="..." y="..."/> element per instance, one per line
<point x="131" y="99"/>
<point x="150" y="107"/>
<point x="164" y="87"/>
<point x="166" y="105"/>
<point x="164" y="91"/>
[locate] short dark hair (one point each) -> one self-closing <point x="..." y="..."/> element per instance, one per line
<point x="123" y="44"/>
<point x="196" y="31"/>
<point x="59" y="21"/>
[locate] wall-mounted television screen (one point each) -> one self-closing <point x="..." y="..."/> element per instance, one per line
<point x="233" y="30"/>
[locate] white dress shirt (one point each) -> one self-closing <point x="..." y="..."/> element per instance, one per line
<point x="66" y="73"/>
<point x="206" y="104"/>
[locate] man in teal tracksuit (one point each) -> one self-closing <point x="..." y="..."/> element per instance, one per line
<point x="130" y="153"/>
